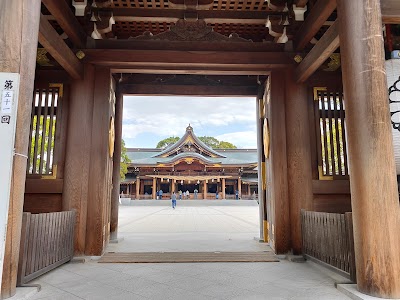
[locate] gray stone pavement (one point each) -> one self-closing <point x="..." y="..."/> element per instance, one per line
<point x="189" y="228"/>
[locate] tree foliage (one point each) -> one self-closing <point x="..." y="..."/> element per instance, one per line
<point x="124" y="161"/>
<point x="168" y="141"/>
<point x="208" y="140"/>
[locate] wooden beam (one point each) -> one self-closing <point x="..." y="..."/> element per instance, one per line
<point x="390" y="11"/>
<point x="331" y="187"/>
<point x="188" y="90"/>
<point x="56" y="46"/>
<point x="66" y="19"/>
<point x="44" y="186"/>
<point x="210" y="16"/>
<point x="196" y="62"/>
<point x="319" y="54"/>
<point x="317" y="17"/>
<point x="133" y="44"/>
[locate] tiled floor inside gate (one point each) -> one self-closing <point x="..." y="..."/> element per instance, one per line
<point x="194" y="228"/>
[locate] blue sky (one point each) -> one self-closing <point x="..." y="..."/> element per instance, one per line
<point x="149" y="119"/>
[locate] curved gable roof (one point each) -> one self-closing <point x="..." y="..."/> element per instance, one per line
<point x="189" y="138"/>
<point x="193" y="155"/>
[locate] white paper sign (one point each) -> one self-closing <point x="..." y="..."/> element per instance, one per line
<point x="9" y="86"/>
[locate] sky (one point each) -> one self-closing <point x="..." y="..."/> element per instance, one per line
<point x="149" y="119"/>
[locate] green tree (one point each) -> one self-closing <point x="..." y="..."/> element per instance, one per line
<point x="226" y="145"/>
<point x="168" y="141"/>
<point x="125" y="160"/>
<point x="208" y="140"/>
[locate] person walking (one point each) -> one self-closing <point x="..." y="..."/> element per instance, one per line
<point x="173" y="198"/>
<point x="216" y="195"/>
<point x="180" y="195"/>
<point x="160" y="193"/>
<point x="195" y="193"/>
<point x="237" y="195"/>
<point x="157" y="195"/>
<point x="187" y="194"/>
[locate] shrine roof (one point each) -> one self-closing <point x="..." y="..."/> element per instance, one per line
<point x="189" y="147"/>
<point x="142" y="156"/>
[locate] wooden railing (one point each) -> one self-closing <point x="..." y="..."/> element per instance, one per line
<point x="47" y="241"/>
<point x="328" y="238"/>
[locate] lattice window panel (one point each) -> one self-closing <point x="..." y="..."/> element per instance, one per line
<point x="42" y="138"/>
<point x="331" y="136"/>
<point x="240" y="5"/>
<point x="140" y="3"/>
<point x="126" y="29"/>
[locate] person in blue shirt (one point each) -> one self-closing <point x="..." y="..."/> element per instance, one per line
<point x="237" y="195"/>
<point x="173" y="198"/>
<point x="160" y="193"/>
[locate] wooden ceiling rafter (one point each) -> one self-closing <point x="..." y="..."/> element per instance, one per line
<point x="55" y="45"/>
<point x="67" y="21"/>
<point x="314" y="21"/>
<point x="319" y="54"/>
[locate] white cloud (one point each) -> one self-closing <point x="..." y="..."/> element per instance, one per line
<point x="167" y="116"/>
<point x="242" y="139"/>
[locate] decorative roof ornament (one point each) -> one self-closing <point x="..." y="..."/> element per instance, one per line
<point x="190" y="31"/>
<point x="189" y="143"/>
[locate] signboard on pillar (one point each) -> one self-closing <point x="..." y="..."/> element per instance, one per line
<point x="9" y="86"/>
<point x="393" y="81"/>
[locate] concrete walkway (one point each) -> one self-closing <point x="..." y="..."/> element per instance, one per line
<point x="189" y="228"/>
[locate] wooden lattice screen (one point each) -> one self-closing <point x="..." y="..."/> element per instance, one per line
<point x="42" y="138"/>
<point x="330" y="132"/>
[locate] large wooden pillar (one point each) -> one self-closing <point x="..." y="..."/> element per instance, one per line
<point x="223" y="188"/>
<point x="137" y="188"/>
<point x="276" y="158"/>
<point x="205" y="190"/>
<point x="77" y="158"/>
<point x="374" y="195"/>
<point x="240" y="186"/>
<point x="298" y="148"/>
<point x="173" y="186"/>
<point x="100" y="171"/>
<point x="154" y="189"/>
<point x="19" y="36"/>
<point x="116" y="167"/>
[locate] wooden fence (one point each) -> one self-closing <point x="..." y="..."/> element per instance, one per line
<point x="47" y="241"/>
<point x="328" y="238"/>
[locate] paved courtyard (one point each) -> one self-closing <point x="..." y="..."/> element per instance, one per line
<point x="189" y="228"/>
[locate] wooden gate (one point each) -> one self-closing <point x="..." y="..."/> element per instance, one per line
<point x="328" y="238"/>
<point x="47" y="241"/>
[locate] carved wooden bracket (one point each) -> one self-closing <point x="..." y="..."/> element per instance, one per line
<point x="185" y="30"/>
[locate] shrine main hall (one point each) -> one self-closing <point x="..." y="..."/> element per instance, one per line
<point x="190" y="165"/>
